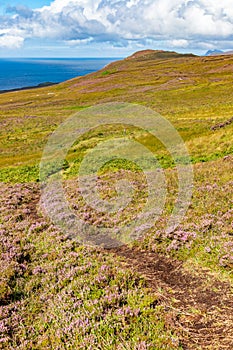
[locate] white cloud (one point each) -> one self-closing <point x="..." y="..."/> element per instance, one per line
<point x="181" y="23"/>
<point x="11" y="41"/>
<point x="179" y="43"/>
<point x="78" y="42"/>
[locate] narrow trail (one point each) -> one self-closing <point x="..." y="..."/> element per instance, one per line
<point x="198" y="307"/>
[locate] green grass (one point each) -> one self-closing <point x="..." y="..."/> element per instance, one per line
<point x="55" y="292"/>
<point x="108" y="72"/>
<point x="193" y="93"/>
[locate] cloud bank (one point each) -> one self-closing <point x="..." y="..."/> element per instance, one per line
<point x="194" y="24"/>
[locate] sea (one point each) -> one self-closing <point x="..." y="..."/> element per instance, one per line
<point x="28" y="72"/>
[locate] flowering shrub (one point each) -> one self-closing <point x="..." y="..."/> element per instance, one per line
<point x="55" y="294"/>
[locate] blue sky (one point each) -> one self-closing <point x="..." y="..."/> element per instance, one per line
<point x="113" y="28"/>
<point x="30" y="3"/>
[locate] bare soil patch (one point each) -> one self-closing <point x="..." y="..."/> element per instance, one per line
<point x="199" y="307"/>
<point x="222" y="125"/>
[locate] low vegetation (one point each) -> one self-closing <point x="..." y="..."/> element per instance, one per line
<point x="165" y="291"/>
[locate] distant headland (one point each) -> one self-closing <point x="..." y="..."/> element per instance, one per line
<point x="41" y="85"/>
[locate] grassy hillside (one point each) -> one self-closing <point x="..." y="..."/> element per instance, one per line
<point x="194" y="93"/>
<point x="166" y="291"/>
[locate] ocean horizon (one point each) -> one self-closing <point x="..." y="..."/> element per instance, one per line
<point x="17" y="73"/>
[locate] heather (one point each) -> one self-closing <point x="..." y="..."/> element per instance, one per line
<point x="57" y="294"/>
<point x="166" y="290"/>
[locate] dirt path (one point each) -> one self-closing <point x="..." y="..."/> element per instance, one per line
<point x="198" y="307"/>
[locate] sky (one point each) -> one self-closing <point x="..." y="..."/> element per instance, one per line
<point x="113" y="28"/>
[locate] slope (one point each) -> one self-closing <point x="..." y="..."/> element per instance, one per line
<point x="166" y="291"/>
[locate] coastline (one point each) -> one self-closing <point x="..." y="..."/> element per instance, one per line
<point x="41" y="85"/>
<point x="57" y="70"/>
